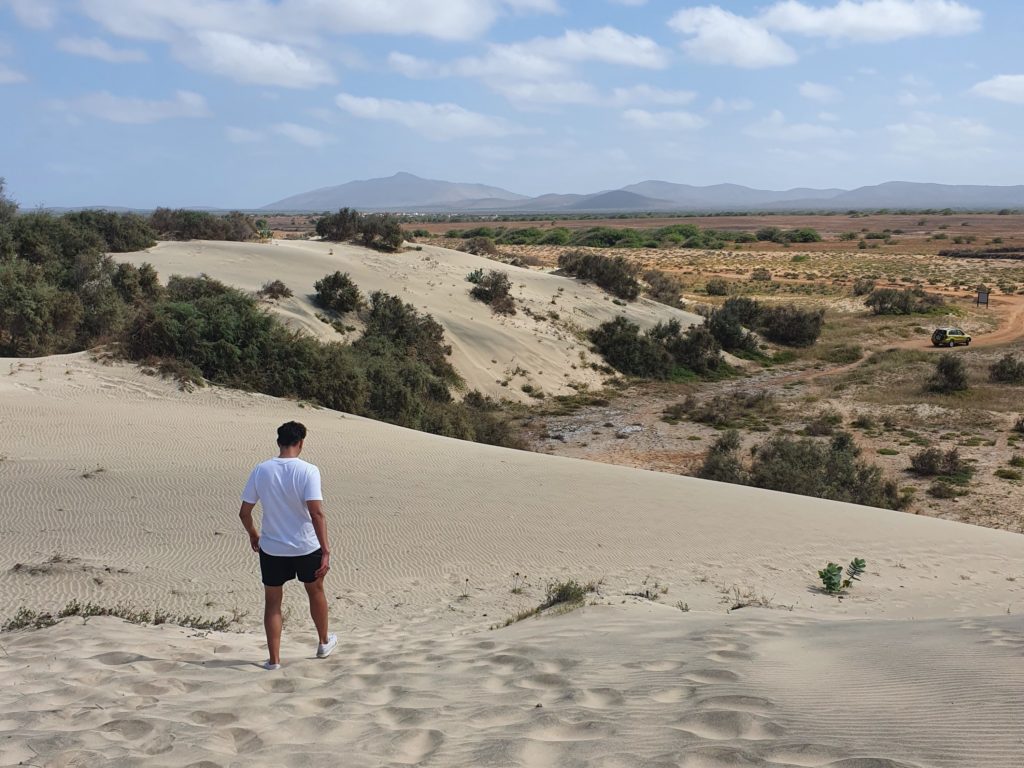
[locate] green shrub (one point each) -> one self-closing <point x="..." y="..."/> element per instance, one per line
<point x="844" y="354"/>
<point x="183" y="224"/>
<point x="948" y="465"/>
<point x="1008" y="474"/>
<point x="909" y="301"/>
<point x="337" y="293"/>
<point x="493" y="289"/>
<point x="480" y="246"/>
<point x="806" y="467"/>
<point x="717" y="286"/>
<point x="761" y="275"/>
<point x="791" y="326"/>
<point x="275" y="289"/>
<point x="1007" y="370"/>
<point x="863" y="286"/>
<point x="950" y="375"/>
<point x="660" y="353"/>
<point x="614" y="274"/>
<point x="664" y="288"/>
<point x="562" y="592"/>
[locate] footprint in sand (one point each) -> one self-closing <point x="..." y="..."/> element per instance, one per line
<point x="213" y="718"/>
<point x="672" y="695"/>
<point x="728" y="724"/>
<point x="712" y="676"/>
<point x="128" y="728"/>
<point x="415" y="745"/>
<point x="738" y="703"/>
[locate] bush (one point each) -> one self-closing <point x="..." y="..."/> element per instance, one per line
<point x="791" y="326"/>
<point x="862" y="286"/>
<point x="947" y="466"/>
<point x="375" y="230"/>
<point x="493" y="289"/>
<point x="717" y="286"/>
<point x="662" y="352"/>
<point x="664" y="288"/>
<point x="337" y="293"/>
<point x="909" y="301"/>
<point x="614" y="274"/>
<point x="950" y="375"/>
<point x="480" y="246"/>
<point x="804" y="466"/>
<point x="1007" y="370"/>
<point x="341" y="226"/>
<point x="725" y="326"/>
<point x="761" y="274"/>
<point x="183" y="224"/>
<point x="275" y="289"/>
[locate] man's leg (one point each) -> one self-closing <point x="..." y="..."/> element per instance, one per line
<point x="318" y="607"/>
<point x="272" y="622"/>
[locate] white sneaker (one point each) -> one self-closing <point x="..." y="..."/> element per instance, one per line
<point x="270" y="667"/>
<point x="323" y="650"/>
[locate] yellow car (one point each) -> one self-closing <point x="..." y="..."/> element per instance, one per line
<point x="950" y="337"/>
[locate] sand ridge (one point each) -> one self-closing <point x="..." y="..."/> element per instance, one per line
<point x="544" y="351"/>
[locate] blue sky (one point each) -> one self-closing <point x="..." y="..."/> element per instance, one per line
<point x="237" y="103"/>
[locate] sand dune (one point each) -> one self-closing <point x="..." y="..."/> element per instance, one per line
<point x="117" y="487"/>
<point x="544" y="350"/>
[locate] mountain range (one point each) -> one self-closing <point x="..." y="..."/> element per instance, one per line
<point x="408" y="193"/>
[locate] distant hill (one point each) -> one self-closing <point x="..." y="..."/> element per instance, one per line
<point x="406" y="192"/>
<point x="403" y="191"/>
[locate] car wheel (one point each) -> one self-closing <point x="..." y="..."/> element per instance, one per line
<point x="951" y="344"/>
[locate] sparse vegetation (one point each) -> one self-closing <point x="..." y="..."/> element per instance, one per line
<point x="663" y="352"/>
<point x="494" y="289"/>
<point x="832" y="580"/>
<point x="909" y="301"/>
<point x="806" y="467"/>
<point x="950" y="375"/>
<point x="26" y="618"/>
<point x="372" y="230"/>
<point x="337" y="293"/>
<point x="275" y="289"/>
<point x="615" y="274"/>
<point x="1007" y="370"/>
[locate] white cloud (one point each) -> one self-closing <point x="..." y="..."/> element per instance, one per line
<point x="716" y="36"/>
<point x="1009" y="88"/>
<point x="530" y="93"/>
<point x="412" y="66"/>
<point x="253" y="61"/>
<point x="300" y="134"/>
<point x="927" y="133"/>
<point x="95" y="48"/>
<point x="10" y="76"/>
<point x="828" y="117"/>
<point x="38" y="14"/>
<point x="776" y="128"/>
<point x="824" y="94"/>
<point x="119" y="109"/>
<point x="663" y="121"/>
<point x="647" y="94"/>
<point x="873" y="20"/>
<point x="435" y="121"/>
<point x="720" y="105"/>
<point x="296" y="20"/>
<point x="542" y="71"/>
<point x="242" y="135"/>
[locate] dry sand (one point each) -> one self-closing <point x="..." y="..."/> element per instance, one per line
<point x="133" y="486"/>
<point x="541" y="351"/>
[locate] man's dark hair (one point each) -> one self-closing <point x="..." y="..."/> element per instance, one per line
<point x="290" y="433"/>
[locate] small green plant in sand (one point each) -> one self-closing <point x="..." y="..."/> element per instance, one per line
<point x="26" y="618"/>
<point x="565" y="595"/>
<point x="832" y="580"/>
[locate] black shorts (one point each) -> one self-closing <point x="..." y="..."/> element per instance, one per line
<point x="277" y="569"/>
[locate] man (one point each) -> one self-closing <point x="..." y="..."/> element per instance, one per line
<point x="294" y="538"/>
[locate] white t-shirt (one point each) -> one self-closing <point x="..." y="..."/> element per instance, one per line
<point x="284" y="486"/>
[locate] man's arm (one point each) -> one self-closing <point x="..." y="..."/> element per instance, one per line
<point x="316" y="514"/>
<point x="245" y="513"/>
